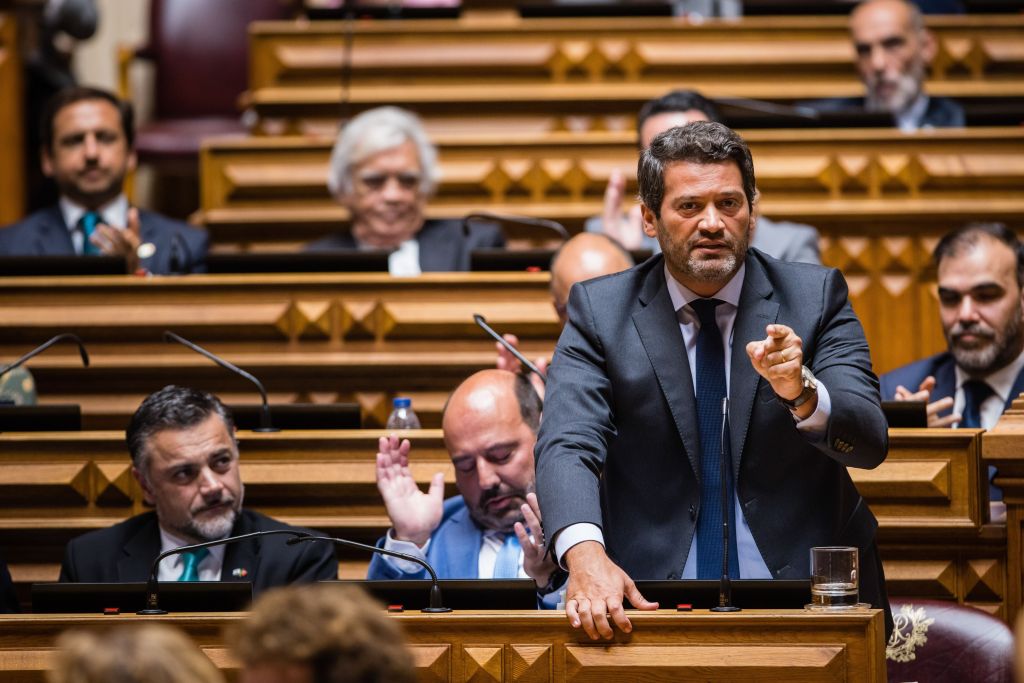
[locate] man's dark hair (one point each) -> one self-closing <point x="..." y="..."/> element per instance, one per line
<point x="172" y="407"/>
<point x="701" y="142"/>
<point x="955" y="242"/>
<point x="530" y="403"/>
<point x="69" y="96"/>
<point x="677" y="101"/>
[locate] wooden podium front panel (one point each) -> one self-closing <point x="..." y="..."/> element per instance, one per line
<point x="540" y="646"/>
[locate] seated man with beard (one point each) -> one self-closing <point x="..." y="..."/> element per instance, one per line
<point x="492" y="529"/>
<point x="980" y="273"/>
<point x="893" y="50"/>
<point x="383" y="170"/>
<point x="185" y="458"/>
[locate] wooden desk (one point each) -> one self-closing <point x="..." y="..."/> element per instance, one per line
<point x="934" y="536"/>
<point x="592" y="72"/>
<point x="538" y="646"/>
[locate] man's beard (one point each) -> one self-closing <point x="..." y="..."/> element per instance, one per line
<point x="907" y="88"/>
<point x="217" y="527"/>
<point x="507" y="518"/>
<point x="715" y="270"/>
<point x="998" y="349"/>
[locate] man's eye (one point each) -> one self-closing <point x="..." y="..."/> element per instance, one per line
<point x="949" y="299"/>
<point x="465" y="466"/>
<point x="183" y="475"/>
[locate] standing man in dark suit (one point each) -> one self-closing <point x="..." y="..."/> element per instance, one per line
<point x="893" y="51"/>
<point x="383" y="170"/>
<point x="185" y="458"/>
<point x="980" y="270"/>
<point x="87" y="137"/>
<point x="628" y="451"/>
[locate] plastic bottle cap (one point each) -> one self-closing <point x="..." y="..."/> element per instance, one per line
<point x="402" y="402"/>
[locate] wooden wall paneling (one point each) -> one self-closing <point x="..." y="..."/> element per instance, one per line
<point x="12" y="128"/>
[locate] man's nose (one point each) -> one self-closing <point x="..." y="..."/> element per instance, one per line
<point x="91" y="147"/>
<point x="393" y="189"/>
<point x="712" y="219"/>
<point x="210" y="484"/>
<point x="487" y="476"/>
<point x="878" y="58"/>
<point x="968" y="310"/>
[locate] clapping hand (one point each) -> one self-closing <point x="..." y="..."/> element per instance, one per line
<point x="414" y="514"/>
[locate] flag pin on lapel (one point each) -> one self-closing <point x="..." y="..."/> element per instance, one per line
<point x="240" y="573"/>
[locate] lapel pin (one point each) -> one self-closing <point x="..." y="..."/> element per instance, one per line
<point x="240" y="573"/>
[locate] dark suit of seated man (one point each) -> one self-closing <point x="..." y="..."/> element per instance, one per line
<point x="980" y="272"/>
<point x="185" y="458"/>
<point x="893" y="50"/>
<point x="87" y="137"/>
<point x="492" y="529"/>
<point x="383" y="170"/>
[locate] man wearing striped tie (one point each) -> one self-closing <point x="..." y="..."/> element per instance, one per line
<point x="492" y="529"/>
<point x="185" y="458"/>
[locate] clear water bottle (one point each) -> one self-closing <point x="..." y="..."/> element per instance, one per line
<point x="402" y="416"/>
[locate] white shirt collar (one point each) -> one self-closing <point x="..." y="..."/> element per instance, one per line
<point x="1001" y="380"/>
<point x="113" y="213"/>
<point x="682" y="295"/>
<point x="169" y="541"/>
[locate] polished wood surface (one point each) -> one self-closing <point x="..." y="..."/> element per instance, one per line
<point x="753" y="645"/>
<point x="12" y="129"/>
<point x="934" y="535"/>
<point x="589" y="72"/>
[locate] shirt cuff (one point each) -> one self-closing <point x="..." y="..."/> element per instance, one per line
<point x="815" y="425"/>
<point x="574" y="534"/>
<point x="407" y="547"/>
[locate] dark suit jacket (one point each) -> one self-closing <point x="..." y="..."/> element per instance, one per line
<point x="443" y="245"/>
<point x="618" y="446"/>
<point x="8" y="597"/>
<point x="125" y="552"/>
<point x="941" y="112"/>
<point x="180" y="248"/>
<point x="942" y="367"/>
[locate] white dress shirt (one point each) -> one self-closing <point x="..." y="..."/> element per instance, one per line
<point x="909" y="120"/>
<point x="171" y="567"/>
<point x="490" y="546"/>
<point x="405" y="261"/>
<point x="752" y="565"/>
<point x="114" y="213"/>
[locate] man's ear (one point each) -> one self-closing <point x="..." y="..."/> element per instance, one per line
<point x="929" y="46"/>
<point x="46" y="162"/>
<point x="650" y="221"/>
<point x="132" y="161"/>
<point x="147" y="493"/>
<point x="755" y="212"/>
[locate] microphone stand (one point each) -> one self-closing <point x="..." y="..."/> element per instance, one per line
<point x="265" y="425"/>
<point x="482" y="322"/>
<point x="724" y="586"/>
<point x="153" y="586"/>
<point x="519" y="221"/>
<point x="436" y="603"/>
<point x="45" y="345"/>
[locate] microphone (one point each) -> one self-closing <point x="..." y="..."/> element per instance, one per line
<point x="436" y="604"/>
<point x="482" y="322"/>
<point x="265" y="425"/>
<point x="153" y="586"/>
<point x="516" y="221"/>
<point x="724" y="586"/>
<point x="42" y="347"/>
<point x="771" y="108"/>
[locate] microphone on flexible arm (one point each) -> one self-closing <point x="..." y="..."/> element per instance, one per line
<point x="482" y="322"/>
<point x="436" y="605"/>
<point x="45" y="345"/>
<point x="724" y="586"/>
<point x="265" y="425"/>
<point x="153" y="585"/>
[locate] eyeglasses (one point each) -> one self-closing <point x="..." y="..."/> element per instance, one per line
<point x="375" y="182"/>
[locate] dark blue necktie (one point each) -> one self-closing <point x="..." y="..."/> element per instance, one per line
<point x="975" y="393"/>
<point x="710" y="374"/>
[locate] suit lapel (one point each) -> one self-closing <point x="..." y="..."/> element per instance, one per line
<point x="242" y="556"/>
<point x="160" y="261"/>
<point x="435" y="254"/>
<point x="755" y="312"/>
<point x="945" y="381"/>
<point x="52" y="236"/>
<point x="658" y="327"/>
<point x="461" y="550"/>
<point x="139" y="552"/>
<point x="1017" y="390"/>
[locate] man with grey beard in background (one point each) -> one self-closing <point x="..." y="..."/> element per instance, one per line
<point x="980" y="273"/>
<point x="893" y="50"/>
<point x="185" y="458"/>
